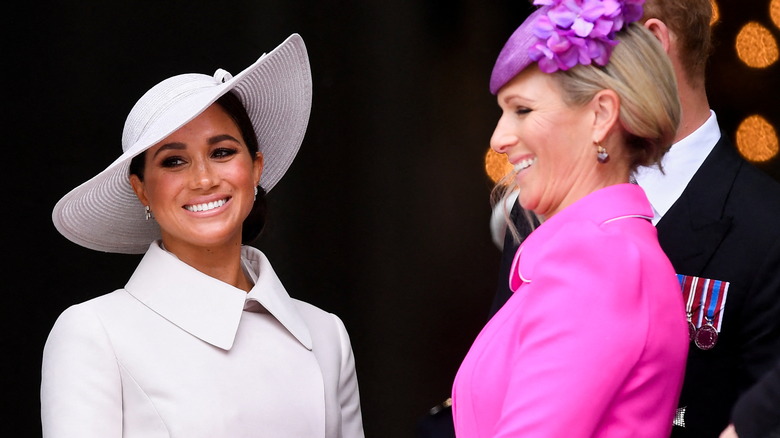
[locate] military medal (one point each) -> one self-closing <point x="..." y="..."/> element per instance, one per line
<point x="706" y="336"/>
<point x="685" y="283"/>
<point x="704" y="302"/>
<point x="691" y="328"/>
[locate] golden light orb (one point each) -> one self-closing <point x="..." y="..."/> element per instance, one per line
<point x="756" y="46"/>
<point x="496" y="165"/>
<point x="715" y="12"/>
<point x="774" y="12"/>
<point x="757" y="139"/>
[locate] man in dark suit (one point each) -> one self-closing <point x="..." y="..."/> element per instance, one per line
<point x="716" y="217"/>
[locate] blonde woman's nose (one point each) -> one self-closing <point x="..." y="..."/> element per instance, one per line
<point x="502" y="138"/>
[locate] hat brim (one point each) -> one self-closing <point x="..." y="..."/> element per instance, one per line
<point x="105" y="215"/>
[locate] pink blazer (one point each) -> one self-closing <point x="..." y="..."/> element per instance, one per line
<point x="593" y="341"/>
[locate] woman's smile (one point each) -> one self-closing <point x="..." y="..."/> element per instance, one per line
<point x="207" y="206"/>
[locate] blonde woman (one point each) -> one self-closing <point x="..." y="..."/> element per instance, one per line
<point x="593" y="341"/>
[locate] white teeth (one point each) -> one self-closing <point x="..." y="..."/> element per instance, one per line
<point x="524" y="164"/>
<point x="207" y="206"/>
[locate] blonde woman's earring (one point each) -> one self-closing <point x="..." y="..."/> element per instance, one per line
<point x="601" y="154"/>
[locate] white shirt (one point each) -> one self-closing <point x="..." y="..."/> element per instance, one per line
<point x="679" y="165"/>
<point x="175" y="354"/>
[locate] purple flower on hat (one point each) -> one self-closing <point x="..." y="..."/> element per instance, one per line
<point x="579" y="31"/>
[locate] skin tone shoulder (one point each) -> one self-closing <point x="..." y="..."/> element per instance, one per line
<point x="199" y="183"/>
<point x="552" y="144"/>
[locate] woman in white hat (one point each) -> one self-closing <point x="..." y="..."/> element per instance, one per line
<point x="203" y="341"/>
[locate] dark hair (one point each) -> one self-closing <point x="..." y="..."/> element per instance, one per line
<point x="255" y="221"/>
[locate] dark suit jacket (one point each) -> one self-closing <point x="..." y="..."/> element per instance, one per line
<point x="757" y="412"/>
<point x="725" y="226"/>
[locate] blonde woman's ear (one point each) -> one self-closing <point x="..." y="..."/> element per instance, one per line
<point x="606" y="107"/>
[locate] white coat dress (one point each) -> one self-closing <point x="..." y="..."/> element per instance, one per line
<point x="177" y="353"/>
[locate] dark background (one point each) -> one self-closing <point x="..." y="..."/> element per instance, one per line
<point x="383" y="217"/>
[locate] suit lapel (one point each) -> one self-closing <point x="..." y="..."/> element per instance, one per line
<point x="694" y="226"/>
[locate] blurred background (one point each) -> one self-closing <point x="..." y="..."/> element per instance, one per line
<point x="384" y="216"/>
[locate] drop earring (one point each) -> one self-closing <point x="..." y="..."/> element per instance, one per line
<point x="256" y="193"/>
<point x="148" y="211"/>
<point x="601" y="154"/>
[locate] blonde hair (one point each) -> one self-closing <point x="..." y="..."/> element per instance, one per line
<point x="642" y="76"/>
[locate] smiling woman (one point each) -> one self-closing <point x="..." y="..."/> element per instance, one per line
<point x="199" y="183"/>
<point x="592" y="341"/>
<point x="203" y="340"/>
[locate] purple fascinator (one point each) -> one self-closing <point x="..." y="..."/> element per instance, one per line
<point x="563" y="33"/>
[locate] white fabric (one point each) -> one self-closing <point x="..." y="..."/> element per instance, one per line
<point x="498" y="218"/>
<point x="174" y="354"/>
<point x="679" y="165"/>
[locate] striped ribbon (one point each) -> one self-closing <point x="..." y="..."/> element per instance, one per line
<point x="704" y="297"/>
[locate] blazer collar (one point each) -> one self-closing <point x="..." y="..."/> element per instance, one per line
<point x="708" y="190"/>
<point x="602" y="206"/>
<point x="693" y="228"/>
<point x="205" y="307"/>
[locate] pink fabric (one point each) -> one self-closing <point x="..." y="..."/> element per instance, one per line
<point x="593" y="342"/>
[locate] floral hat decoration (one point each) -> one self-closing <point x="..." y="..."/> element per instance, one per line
<point x="563" y="33"/>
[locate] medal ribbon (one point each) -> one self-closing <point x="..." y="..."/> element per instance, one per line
<point x="716" y="292"/>
<point x="686" y="282"/>
<point x="710" y="295"/>
<point x="692" y="293"/>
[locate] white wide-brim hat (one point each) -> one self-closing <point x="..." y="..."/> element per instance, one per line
<point x="104" y="213"/>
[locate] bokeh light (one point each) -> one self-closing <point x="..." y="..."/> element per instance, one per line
<point x="774" y="12"/>
<point x="496" y="165"/>
<point x="715" y="12"/>
<point x="756" y="46"/>
<point x="757" y="139"/>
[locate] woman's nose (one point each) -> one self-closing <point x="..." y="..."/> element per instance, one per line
<point x="503" y="137"/>
<point x="204" y="175"/>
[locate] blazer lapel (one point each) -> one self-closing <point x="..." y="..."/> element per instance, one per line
<point x="693" y="228"/>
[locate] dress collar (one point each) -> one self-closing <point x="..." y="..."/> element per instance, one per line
<point x="603" y="205"/>
<point x="600" y="207"/>
<point x="207" y="308"/>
